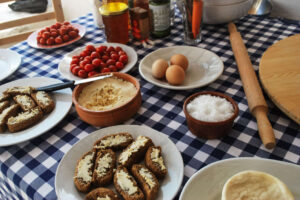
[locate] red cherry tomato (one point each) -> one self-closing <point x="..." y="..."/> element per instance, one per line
<point x="83" y="63"/>
<point x="73" y="34"/>
<point x="88" y="67"/>
<point x="66" y="23"/>
<point x="96" y="62"/>
<point x="54" y="34"/>
<point x="47" y="29"/>
<point x="62" y="31"/>
<point x="118" y="49"/>
<point x="75" y="70"/>
<point x="92" y="73"/>
<point x="73" y="57"/>
<point x="95" y="54"/>
<point x="110" y="62"/>
<point x="123" y="59"/>
<point x="75" y="61"/>
<point x="50" y="41"/>
<point x="66" y="38"/>
<point x="82" y="73"/>
<point x="114" y="57"/>
<point x="119" y="66"/>
<point x="46" y="35"/>
<point x="104" y="58"/>
<point x="76" y="30"/>
<point x="58" y="25"/>
<point x="110" y="49"/>
<point x="72" y="66"/>
<point x="112" y="52"/>
<point x="122" y="53"/>
<point x="42" y="41"/>
<point x="112" y="68"/>
<point x="103" y="64"/>
<point x="90" y="47"/>
<point x="38" y="38"/>
<point x="105" y="69"/>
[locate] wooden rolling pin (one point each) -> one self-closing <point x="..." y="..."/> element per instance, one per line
<point x="255" y="98"/>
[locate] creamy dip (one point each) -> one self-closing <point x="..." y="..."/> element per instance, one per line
<point x="106" y="94"/>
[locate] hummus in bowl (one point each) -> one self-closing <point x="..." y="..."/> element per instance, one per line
<point x="108" y="101"/>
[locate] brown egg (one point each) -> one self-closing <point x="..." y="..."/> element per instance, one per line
<point x="181" y="60"/>
<point x="175" y="75"/>
<point x="159" y="68"/>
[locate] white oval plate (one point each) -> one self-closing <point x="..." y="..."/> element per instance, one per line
<point x="9" y="62"/>
<point x="64" y="64"/>
<point x="204" y="66"/>
<point x="31" y="40"/>
<point x="207" y="183"/>
<point x="64" y="184"/>
<point x="63" y="103"/>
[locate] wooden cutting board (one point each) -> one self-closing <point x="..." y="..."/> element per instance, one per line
<point x="279" y="72"/>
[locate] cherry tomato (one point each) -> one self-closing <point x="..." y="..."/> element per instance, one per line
<point x="123" y="59"/>
<point x="117" y="48"/>
<point x="73" y="57"/>
<point x="82" y="73"/>
<point x="112" y="68"/>
<point x="66" y="38"/>
<point x="38" y="38"/>
<point x="114" y="57"/>
<point x="82" y="64"/>
<point x="50" y="41"/>
<point x="87" y="52"/>
<point x="75" y="70"/>
<point x="73" y="34"/>
<point x="122" y="53"/>
<point x="54" y="34"/>
<point x="53" y="26"/>
<point x="103" y="64"/>
<point x="96" y="62"/>
<point x="112" y="52"/>
<point x="58" y="40"/>
<point x="92" y="73"/>
<point x="95" y="54"/>
<point x="88" y="59"/>
<point x="46" y="35"/>
<point x="58" y="25"/>
<point x="62" y="31"/>
<point x="88" y="67"/>
<point x="47" y="29"/>
<point x="105" y="69"/>
<point x="110" y="49"/>
<point x="104" y="58"/>
<point x="76" y="30"/>
<point x="42" y="41"/>
<point x="110" y="62"/>
<point x="72" y="66"/>
<point x="119" y="66"/>
<point x="75" y="61"/>
<point x="66" y="23"/>
<point x="90" y="47"/>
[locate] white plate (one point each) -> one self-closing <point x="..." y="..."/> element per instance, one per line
<point x="64" y="185"/>
<point x="64" y="64"/>
<point x="204" y="66"/>
<point x="31" y="40"/>
<point x="208" y="182"/>
<point x="9" y="62"/>
<point x="63" y="103"/>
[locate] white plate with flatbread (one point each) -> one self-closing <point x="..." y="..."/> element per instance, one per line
<point x="64" y="184"/>
<point x="204" y="67"/>
<point x="63" y="103"/>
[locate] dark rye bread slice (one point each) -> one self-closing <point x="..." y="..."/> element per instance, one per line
<point x="6" y="114"/>
<point x="84" y="171"/>
<point x="4" y="97"/>
<point x="116" y="141"/>
<point x="104" y="168"/>
<point x="135" y="152"/>
<point x="24" y="101"/>
<point x="147" y="180"/>
<point x="19" y="90"/>
<point x="44" y="101"/>
<point x="24" y="120"/>
<point x="103" y="193"/>
<point x="155" y="162"/>
<point x="126" y="186"/>
<point x="4" y="105"/>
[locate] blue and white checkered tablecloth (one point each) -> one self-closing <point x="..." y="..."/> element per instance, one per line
<point x="28" y="169"/>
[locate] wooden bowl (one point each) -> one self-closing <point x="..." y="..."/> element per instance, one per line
<point x="112" y="116"/>
<point x="210" y="130"/>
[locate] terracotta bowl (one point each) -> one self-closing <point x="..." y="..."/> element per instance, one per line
<point x="113" y="116"/>
<point x="210" y="130"/>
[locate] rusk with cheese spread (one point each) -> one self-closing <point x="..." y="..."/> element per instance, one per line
<point x="116" y="141"/>
<point x="126" y="185"/>
<point x="104" y="166"/>
<point x="44" y="101"/>
<point x="84" y="171"/>
<point x="6" y="114"/>
<point x="155" y="162"/>
<point x="146" y="180"/>
<point x="3" y="105"/>
<point x="24" y="101"/>
<point x="19" y="90"/>
<point x="101" y="194"/>
<point x="135" y="152"/>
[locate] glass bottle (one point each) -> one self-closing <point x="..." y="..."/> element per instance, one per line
<point x="160" y="18"/>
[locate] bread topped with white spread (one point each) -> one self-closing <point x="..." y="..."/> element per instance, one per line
<point x="104" y="165"/>
<point x="102" y="194"/>
<point x="44" y="101"/>
<point x="135" y="151"/>
<point x="126" y="186"/>
<point x="6" y="114"/>
<point x="116" y="141"/>
<point x="19" y="90"/>
<point x="3" y="105"/>
<point x="24" y="101"/>
<point x="146" y="180"/>
<point x="155" y="162"/>
<point x="84" y="171"/>
<point x="4" y="97"/>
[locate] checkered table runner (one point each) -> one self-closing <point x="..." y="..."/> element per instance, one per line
<point x="28" y="169"/>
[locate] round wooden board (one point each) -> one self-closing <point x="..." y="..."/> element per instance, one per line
<point x="279" y="72"/>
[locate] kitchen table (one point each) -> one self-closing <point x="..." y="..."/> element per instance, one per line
<point x="28" y="169"/>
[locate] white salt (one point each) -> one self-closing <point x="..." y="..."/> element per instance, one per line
<point x="210" y="108"/>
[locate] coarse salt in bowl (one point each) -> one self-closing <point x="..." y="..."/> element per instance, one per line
<point x="210" y="115"/>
